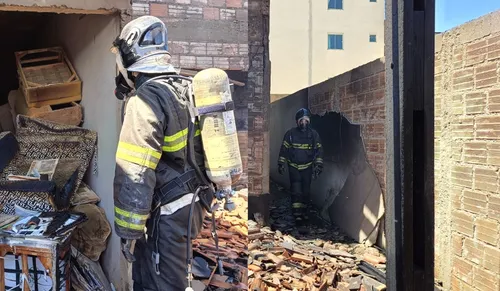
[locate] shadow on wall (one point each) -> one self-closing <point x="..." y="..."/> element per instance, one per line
<point x="348" y="192"/>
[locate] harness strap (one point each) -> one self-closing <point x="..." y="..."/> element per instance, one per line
<point x="162" y="196"/>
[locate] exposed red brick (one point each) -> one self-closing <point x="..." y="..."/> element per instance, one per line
<point x="210" y="13"/>
<point x="204" y="62"/>
<point x="485" y="280"/>
<point x="491" y="259"/>
<point x="188" y="62"/>
<point x="234" y="3"/>
<point x="456" y="196"/>
<point x="457" y="104"/>
<point x="198" y="48"/>
<point x="488" y="127"/>
<point x="477" y="45"/>
<point x="457" y="242"/>
<point x="467" y="287"/>
<point x="463" y="270"/>
<point x="473" y="250"/>
<point x="493" y="48"/>
<point x="494" y="40"/>
<point x="179" y="47"/>
<point x="494" y="154"/>
<point x="475" y="202"/>
<point x="486" y="75"/>
<point x="221" y="62"/>
<point x="217" y="3"/>
<point x="486" y="179"/>
<point x="487" y="230"/>
<point x="475" y="153"/>
<point x="475" y="103"/>
<point x="458" y="60"/>
<point x="462" y="175"/>
<point x="463" y="222"/>
<point x="494" y="207"/>
<point x="494" y="101"/>
<point x="159" y="10"/>
<point x="455" y="283"/>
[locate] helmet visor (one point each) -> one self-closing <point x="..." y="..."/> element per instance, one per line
<point x="154" y="36"/>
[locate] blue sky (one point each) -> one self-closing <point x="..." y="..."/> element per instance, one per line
<point x="451" y="13"/>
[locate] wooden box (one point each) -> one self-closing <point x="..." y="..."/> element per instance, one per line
<point x="47" y="77"/>
<point x="68" y="114"/>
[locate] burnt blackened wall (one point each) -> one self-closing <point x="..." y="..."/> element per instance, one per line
<point x="338" y="136"/>
<point x="20" y="31"/>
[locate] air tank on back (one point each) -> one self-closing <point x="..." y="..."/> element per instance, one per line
<point x="218" y="130"/>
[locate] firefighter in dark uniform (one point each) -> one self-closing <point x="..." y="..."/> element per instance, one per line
<point x="155" y="178"/>
<point x="302" y="151"/>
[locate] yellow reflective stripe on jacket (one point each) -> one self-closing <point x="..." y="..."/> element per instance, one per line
<point x="286" y="144"/>
<point x="301" y="166"/>
<point x="130" y="220"/>
<point x="177" y="141"/>
<point x="319" y="160"/>
<point x="282" y="159"/>
<point x="302" y="146"/>
<point x="128" y="225"/>
<point x="176" y="136"/>
<point x="318" y="145"/>
<point x="141" y="156"/>
<point x="130" y="214"/>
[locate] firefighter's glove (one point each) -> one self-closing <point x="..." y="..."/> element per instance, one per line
<point x="126" y="246"/>
<point x="317" y="170"/>
<point x="281" y="169"/>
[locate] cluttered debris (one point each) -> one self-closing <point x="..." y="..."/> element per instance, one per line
<point x="232" y="232"/>
<point x="46" y="210"/>
<point x="283" y="257"/>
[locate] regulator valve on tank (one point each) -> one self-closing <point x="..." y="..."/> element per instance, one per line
<point x="215" y="108"/>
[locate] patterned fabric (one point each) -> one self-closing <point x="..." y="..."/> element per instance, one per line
<point x="39" y="139"/>
<point x="26" y="194"/>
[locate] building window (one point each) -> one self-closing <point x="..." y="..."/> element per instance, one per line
<point x="373" y="38"/>
<point x="335" y="42"/>
<point x="335" y="4"/>
<point x="373" y="0"/>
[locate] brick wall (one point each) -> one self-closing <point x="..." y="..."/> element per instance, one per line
<point x="202" y="33"/>
<point x="258" y="96"/>
<point x="468" y="156"/>
<point x="359" y="95"/>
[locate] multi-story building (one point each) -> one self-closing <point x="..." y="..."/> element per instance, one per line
<point x="314" y="40"/>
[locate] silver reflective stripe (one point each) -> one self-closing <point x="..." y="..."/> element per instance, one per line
<point x="174" y="206"/>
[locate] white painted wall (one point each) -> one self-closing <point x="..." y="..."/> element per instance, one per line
<point x="87" y="41"/>
<point x="299" y="40"/>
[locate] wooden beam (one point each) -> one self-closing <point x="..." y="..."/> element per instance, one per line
<point x="38" y="9"/>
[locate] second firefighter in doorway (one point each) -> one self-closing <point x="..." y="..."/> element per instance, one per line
<point x="302" y="151"/>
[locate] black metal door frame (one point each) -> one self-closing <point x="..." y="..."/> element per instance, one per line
<point x="410" y="144"/>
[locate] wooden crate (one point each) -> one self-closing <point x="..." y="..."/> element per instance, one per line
<point x="47" y="77"/>
<point x="69" y="114"/>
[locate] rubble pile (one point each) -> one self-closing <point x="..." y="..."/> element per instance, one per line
<point x="232" y="232"/>
<point x="317" y="256"/>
